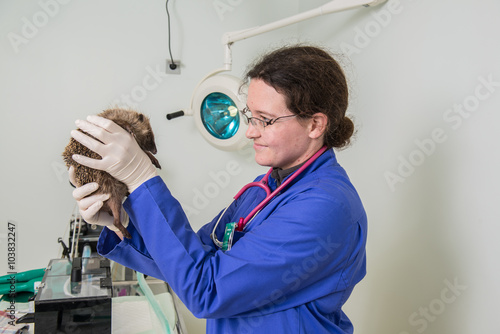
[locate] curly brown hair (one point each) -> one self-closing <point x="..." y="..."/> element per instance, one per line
<point x="312" y="81"/>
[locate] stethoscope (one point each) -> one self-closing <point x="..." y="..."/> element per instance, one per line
<point x="240" y="226"/>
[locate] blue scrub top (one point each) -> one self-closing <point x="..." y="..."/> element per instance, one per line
<point x="290" y="272"/>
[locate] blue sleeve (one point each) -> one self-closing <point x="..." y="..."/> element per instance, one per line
<point x="280" y="264"/>
<point x="134" y="254"/>
<point x="131" y="253"/>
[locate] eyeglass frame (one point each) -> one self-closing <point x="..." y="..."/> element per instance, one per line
<point x="263" y="122"/>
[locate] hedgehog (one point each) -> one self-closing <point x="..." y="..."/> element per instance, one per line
<point x="136" y="124"/>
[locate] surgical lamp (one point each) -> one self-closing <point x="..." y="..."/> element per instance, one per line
<point x="216" y="99"/>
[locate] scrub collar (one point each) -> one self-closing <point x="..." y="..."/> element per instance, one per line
<point x="280" y="174"/>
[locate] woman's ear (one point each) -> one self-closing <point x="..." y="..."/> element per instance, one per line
<point x="317" y="125"/>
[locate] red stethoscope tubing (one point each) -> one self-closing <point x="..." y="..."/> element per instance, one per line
<point x="263" y="184"/>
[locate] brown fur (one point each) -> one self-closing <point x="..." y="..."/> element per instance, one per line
<point x="138" y="125"/>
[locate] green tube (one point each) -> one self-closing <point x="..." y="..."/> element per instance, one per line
<point x="23" y="276"/>
<point x="8" y="288"/>
<point x="150" y="297"/>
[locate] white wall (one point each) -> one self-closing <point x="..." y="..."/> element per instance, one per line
<point x="412" y="65"/>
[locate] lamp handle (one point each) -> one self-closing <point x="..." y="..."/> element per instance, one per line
<point x="176" y="114"/>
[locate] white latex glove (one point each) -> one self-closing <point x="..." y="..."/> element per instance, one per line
<point x="89" y="205"/>
<point x="121" y="156"/>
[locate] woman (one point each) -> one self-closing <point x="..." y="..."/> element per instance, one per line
<point x="296" y="262"/>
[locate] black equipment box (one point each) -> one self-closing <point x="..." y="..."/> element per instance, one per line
<point x="74" y="297"/>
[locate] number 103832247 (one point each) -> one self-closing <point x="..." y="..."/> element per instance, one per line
<point x="11" y="246"/>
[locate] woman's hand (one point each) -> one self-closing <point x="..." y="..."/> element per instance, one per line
<point x="89" y="205"/>
<point x="121" y="156"/>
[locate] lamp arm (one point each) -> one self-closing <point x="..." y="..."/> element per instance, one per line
<point x="229" y="38"/>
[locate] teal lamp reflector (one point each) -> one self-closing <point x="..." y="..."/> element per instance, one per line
<point x="215" y="106"/>
<point x="219" y="115"/>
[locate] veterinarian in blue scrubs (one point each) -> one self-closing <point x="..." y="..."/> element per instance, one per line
<point x="297" y="260"/>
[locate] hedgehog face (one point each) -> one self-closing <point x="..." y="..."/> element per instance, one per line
<point x="144" y="134"/>
<point x="148" y="142"/>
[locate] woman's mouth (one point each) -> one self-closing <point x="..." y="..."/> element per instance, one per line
<point x="257" y="146"/>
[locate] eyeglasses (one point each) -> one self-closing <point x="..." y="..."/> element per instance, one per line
<point x="260" y="123"/>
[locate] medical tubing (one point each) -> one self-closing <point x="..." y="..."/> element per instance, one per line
<point x="73" y="241"/>
<point x="256" y="184"/>
<point x="241" y="226"/>
<point x="212" y="235"/>
<point x="78" y="235"/>
<point x="29" y="286"/>
<point x="87" y="251"/>
<point x="23" y="276"/>
<point x="150" y="297"/>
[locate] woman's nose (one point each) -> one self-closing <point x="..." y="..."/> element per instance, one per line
<point x="252" y="131"/>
